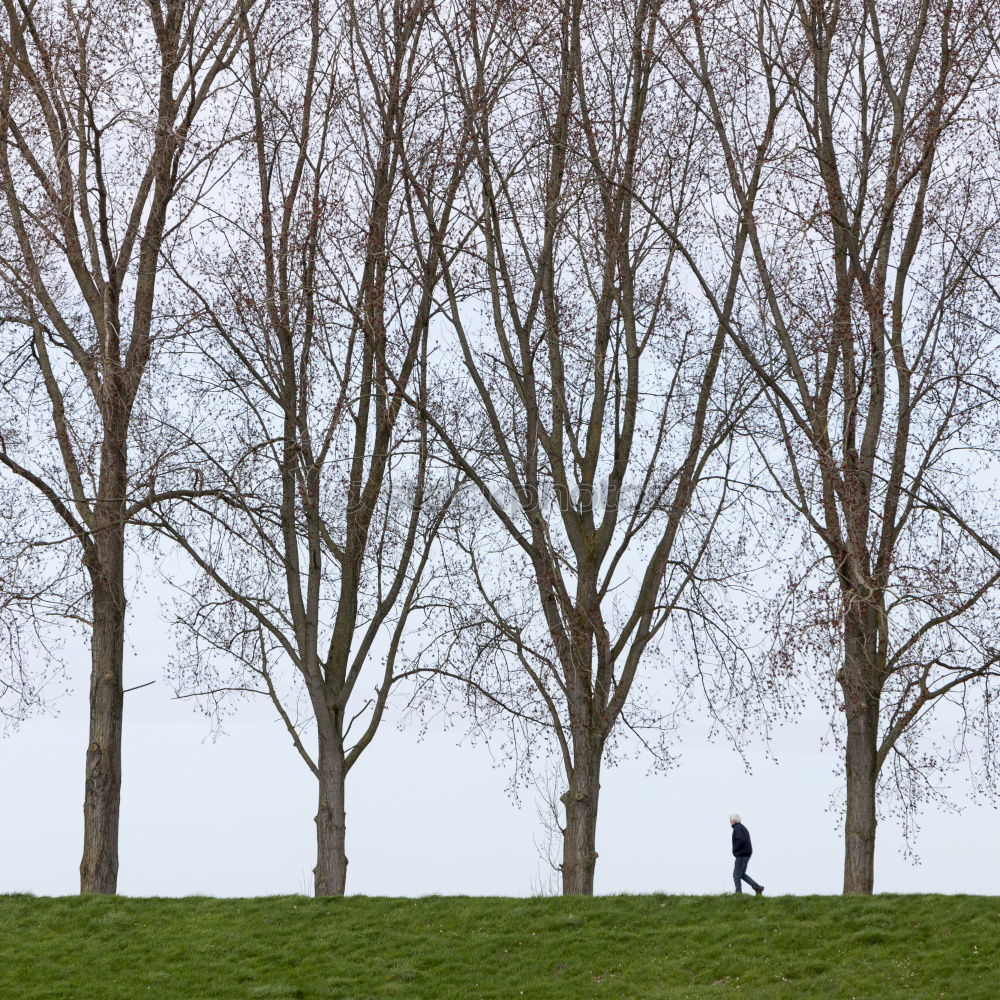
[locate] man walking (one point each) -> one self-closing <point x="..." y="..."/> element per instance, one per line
<point x="741" y="852"/>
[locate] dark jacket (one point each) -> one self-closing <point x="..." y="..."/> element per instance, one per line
<point x="741" y="841"/>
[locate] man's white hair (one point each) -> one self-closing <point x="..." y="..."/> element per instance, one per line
<point x="735" y="818"/>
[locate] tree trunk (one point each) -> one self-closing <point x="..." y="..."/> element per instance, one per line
<point x="331" y="821"/>
<point x="102" y="787"/>
<point x="861" y="703"/>
<point x="580" y="834"/>
<point x="859" y="826"/>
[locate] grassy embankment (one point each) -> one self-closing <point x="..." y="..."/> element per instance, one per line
<point x="466" y="948"/>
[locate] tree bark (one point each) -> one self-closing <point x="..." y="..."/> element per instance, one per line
<point x="102" y="786"/>
<point x="861" y="703"/>
<point x="331" y="820"/>
<point x="580" y="833"/>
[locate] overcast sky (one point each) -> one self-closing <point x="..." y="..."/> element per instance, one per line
<point x="233" y="817"/>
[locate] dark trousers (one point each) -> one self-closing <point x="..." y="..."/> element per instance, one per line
<point x="740" y="875"/>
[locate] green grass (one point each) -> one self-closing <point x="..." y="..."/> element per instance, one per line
<point x="618" y="947"/>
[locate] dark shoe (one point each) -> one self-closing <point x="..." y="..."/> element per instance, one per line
<point x="759" y="890"/>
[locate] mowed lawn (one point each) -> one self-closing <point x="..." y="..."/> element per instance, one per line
<point x="464" y="948"/>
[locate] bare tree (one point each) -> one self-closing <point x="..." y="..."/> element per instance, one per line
<point x="311" y="316"/>
<point x="98" y="137"/>
<point x="597" y="420"/>
<point x="870" y="318"/>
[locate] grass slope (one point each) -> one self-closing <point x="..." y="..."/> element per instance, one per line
<point x="468" y="948"/>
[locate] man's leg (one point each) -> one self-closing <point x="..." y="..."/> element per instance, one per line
<point x="757" y="888"/>
<point x="740" y="872"/>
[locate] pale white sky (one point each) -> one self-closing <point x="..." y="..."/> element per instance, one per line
<point x="234" y="817"/>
